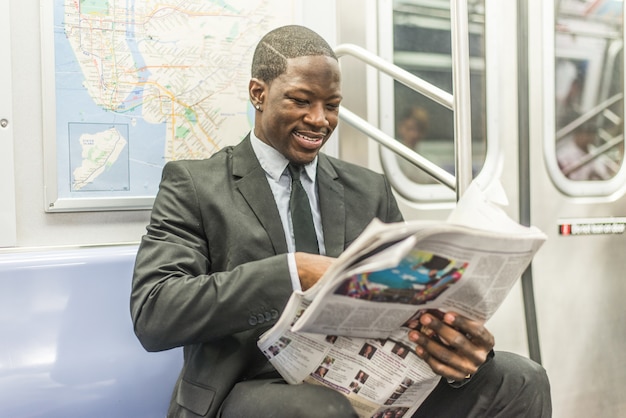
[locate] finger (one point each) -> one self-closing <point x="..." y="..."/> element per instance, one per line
<point x="473" y="330"/>
<point x="466" y="348"/>
<point x="441" y="359"/>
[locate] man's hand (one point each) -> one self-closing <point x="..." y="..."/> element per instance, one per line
<point x="311" y="267"/>
<point x="462" y="348"/>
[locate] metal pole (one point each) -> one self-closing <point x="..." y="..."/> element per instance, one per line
<point x="528" y="293"/>
<point x="462" y="95"/>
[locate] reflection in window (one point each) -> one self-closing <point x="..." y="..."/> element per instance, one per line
<point x="422" y="46"/>
<point x="589" y="89"/>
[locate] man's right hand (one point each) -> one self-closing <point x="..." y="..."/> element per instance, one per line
<point x="311" y="267"/>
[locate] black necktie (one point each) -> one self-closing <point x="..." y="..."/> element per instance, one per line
<point x="301" y="218"/>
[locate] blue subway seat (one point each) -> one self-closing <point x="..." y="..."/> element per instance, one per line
<point x="67" y="347"/>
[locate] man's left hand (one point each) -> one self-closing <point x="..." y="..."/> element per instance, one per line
<point x="460" y="347"/>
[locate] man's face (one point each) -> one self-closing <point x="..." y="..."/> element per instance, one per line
<point x="410" y="132"/>
<point x="300" y="108"/>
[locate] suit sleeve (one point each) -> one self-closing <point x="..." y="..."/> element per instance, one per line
<point x="392" y="212"/>
<point x="177" y="299"/>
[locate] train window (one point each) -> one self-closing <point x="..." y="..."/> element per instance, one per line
<point x="586" y="157"/>
<point x="422" y="45"/>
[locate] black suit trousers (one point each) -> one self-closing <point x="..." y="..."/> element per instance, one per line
<point x="507" y="386"/>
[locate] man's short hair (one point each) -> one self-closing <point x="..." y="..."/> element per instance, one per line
<point x="279" y="45"/>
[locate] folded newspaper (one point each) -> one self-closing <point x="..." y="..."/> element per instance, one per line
<point x="350" y="330"/>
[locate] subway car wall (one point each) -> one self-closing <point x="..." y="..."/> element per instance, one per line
<point x="547" y="87"/>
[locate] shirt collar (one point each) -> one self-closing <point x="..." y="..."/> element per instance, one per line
<point x="273" y="162"/>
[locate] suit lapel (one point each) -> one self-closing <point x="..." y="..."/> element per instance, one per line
<point x="252" y="184"/>
<point x="332" y="206"/>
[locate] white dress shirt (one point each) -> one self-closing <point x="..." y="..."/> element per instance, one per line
<point x="275" y="166"/>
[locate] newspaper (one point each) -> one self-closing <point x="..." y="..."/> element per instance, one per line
<point x="350" y="330"/>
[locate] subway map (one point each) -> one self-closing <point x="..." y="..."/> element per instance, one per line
<point x="142" y="82"/>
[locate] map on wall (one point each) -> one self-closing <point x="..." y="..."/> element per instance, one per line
<point x="138" y="83"/>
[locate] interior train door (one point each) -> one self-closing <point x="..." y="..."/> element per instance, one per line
<point x="577" y="198"/>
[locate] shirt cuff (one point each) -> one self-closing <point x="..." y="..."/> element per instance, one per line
<point x="293" y="272"/>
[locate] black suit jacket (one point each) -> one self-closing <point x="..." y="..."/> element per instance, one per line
<point x="211" y="273"/>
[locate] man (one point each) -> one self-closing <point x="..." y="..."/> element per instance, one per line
<point x="219" y="259"/>
<point x="412" y="130"/>
<point x="577" y="147"/>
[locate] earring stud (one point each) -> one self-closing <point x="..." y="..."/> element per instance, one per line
<point x="258" y="107"/>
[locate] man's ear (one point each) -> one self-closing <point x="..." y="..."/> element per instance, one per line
<point x="257" y="89"/>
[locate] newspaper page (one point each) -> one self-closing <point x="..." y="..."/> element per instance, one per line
<point x="350" y="331"/>
<point x="449" y="267"/>
<point x="377" y="375"/>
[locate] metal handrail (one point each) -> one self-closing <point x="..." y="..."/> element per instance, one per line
<point x="607" y="146"/>
<point x="588" y="115"/>
<point x="459" y="103"/>
<point x="427" y="89"/>
<point x="399" y="148"/>
<point x="593" y="155"/>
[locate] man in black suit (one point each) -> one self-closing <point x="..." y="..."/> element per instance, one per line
<point x="219" y="259"/>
